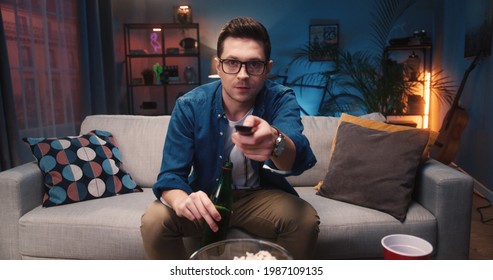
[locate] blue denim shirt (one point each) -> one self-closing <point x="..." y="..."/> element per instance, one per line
<point x="196" y="132"/>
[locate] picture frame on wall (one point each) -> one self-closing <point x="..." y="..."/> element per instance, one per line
<point x="322" y="39"/>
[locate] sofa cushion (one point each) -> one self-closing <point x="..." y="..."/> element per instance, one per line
<point x="140" y="140"/>
<point x="98" y="229"/>
<point x="79" y="168"/>
<point x="374" y="168"/>
<point x="348" y="231"/>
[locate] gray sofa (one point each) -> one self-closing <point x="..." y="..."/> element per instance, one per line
<point x="108" y="228"/>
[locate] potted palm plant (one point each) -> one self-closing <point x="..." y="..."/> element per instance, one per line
<point x="380" y="82"/>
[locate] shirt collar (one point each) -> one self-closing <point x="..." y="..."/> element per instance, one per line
<point x="258" y="110"/>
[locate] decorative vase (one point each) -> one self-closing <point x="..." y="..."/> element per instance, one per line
<point x="189" y="74"/>
<point x="182" y="18"/>
<point x="148" y="78"/>
<point x="415" y="104"/>
<point x="412" y="65"/>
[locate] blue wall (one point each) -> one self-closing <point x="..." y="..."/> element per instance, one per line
<point x="288" y="22"/>
<point x="476" y="149"/>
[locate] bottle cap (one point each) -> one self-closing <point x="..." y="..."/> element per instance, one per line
<point x="228" y="165"/>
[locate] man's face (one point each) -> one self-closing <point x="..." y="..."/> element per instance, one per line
<point x="242" y="88"/>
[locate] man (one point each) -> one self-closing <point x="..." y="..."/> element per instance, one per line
<point x="201" y="136"/>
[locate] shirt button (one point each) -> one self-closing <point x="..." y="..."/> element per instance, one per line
<point x="221" y="157"/>
<point x="221" y="133"/>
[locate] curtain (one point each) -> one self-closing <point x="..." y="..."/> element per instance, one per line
<point x="57" y="67"/>
<point x="99" y="90"/>
<point x="9" y="137"/>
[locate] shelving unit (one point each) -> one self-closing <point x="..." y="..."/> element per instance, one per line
<point x="172" y="46"/>
<point x="416" y="60"/>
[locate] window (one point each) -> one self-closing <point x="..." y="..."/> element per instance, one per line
<point x="43" y="47"/>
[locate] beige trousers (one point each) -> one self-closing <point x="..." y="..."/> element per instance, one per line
<point x="269" y="214"/>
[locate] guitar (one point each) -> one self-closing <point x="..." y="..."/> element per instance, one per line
<point x="456" y="119"/>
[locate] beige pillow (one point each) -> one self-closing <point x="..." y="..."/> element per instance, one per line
<point x="387" y="127"/>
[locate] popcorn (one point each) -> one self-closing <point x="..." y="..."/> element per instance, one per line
<point x="260" y="255"/>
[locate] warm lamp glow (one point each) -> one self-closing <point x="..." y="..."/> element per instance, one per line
<point x="427" y="98"/>
<point x="156" y="29"/>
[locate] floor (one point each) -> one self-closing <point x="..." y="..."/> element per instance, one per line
<point x="481" y="246"/>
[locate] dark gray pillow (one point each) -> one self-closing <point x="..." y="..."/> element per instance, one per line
<point x="374" y="168"/>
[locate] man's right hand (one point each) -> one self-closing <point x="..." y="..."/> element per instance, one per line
<point x="194" y="207"/>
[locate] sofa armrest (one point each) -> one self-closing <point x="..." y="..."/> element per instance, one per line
<point x="21" y="189"/>
<point x="447" y="194"/>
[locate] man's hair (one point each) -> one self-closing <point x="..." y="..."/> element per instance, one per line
<point x="244" y="27"/>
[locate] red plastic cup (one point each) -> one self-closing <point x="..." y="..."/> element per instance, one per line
<point x="406" y="247"/>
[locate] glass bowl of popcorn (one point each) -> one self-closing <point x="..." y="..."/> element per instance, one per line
<point x="241" y="249"/>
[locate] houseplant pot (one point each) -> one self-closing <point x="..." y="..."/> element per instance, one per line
<point x="415" y="104"/>
<point x="148" y="76"/>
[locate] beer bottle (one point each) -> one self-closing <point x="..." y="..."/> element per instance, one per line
<point x="222" y="197"/>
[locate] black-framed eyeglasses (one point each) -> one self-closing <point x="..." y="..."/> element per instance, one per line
<point x="232" y="66"/>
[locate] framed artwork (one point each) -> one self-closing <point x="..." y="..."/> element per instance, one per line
<point x="479" y="28"/>
<point x="323" y="38"/>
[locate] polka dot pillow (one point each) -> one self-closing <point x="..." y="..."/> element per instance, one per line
<point x="78" y="168"/>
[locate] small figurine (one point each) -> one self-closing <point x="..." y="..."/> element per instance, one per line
<point x="158" y="69"/>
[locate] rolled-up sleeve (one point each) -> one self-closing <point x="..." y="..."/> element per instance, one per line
<point x="176" y="164"/>
<point x="288" y="120"/>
